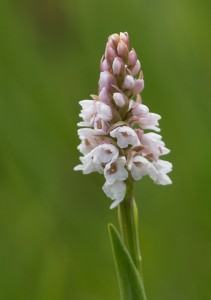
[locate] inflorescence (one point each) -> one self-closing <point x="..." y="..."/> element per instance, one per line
<point x="114" y="141"/>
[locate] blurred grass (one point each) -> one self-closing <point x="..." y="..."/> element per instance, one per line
<point x="53" y="221"/>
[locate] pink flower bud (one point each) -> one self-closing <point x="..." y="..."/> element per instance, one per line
<point x="136" y="68"/>
<point x="114" y="38"/>
<point x="104" y="65"/>
<point x="119" y="99"/>
<point x="132" y="58"/>
<point x="106" y="80"/>
<point x="125" y="38"/>
<point x="109" y="53"/>
<point x="104" y="96"/>
<point x="117" y="66"/>
<point x="129" y="82"/>
<point x="138" y="86"/>
<point x="122" y="50"/>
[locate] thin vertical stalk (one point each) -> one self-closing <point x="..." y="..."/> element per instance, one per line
<point x="128" y="220"/>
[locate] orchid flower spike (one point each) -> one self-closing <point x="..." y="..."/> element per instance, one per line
<point x="113" y="140"/>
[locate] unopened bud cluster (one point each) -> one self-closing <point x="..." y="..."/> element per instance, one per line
<point x="114" y="140"/>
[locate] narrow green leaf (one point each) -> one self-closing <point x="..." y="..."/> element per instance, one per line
<point x="131" y="286"/>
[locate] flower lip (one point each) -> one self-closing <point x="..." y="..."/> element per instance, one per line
<point x="115" y="170"/>
<point x="104" y="153"/>
<point x="163" y="168"/>
<point x="103" y="111"/>
<point x="153" y="146"/>
<point x="140" y="166"/>
<point x="125" y="136"/>
<point x="115" y="191"/>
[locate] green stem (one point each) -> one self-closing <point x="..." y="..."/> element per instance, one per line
<point x="128" y="220"/>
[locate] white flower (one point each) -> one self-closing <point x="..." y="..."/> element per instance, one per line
<point x="115" y="191"/>
<point x="115" y="170"/>
<point x="104" y="153"/>
<point x="88" y="112"/>
<point x="88" y="165"/>
<point x="140" y="166"/>
<point x="89" y="140"/>
<point x="103" y="111"/>
<point x="85" y="133"/>
<point x="138" y="109"/>
<point x="163" y="167"/>
<point x="125" y="136"/>
<point x="92" y="109"/>
<point x="153" y="146"/>
<point x="144" y="118"/>
<point x="150" y="121"/>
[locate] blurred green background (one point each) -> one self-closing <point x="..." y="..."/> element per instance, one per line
<point x="54" y="242"/>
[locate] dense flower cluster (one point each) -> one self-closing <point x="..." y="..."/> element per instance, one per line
<point x="114" y="141"/>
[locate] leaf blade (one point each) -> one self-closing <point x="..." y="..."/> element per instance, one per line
<point x="130" y="283"/>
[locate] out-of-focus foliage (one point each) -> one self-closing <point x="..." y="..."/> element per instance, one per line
<point x="49" y="60"/>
